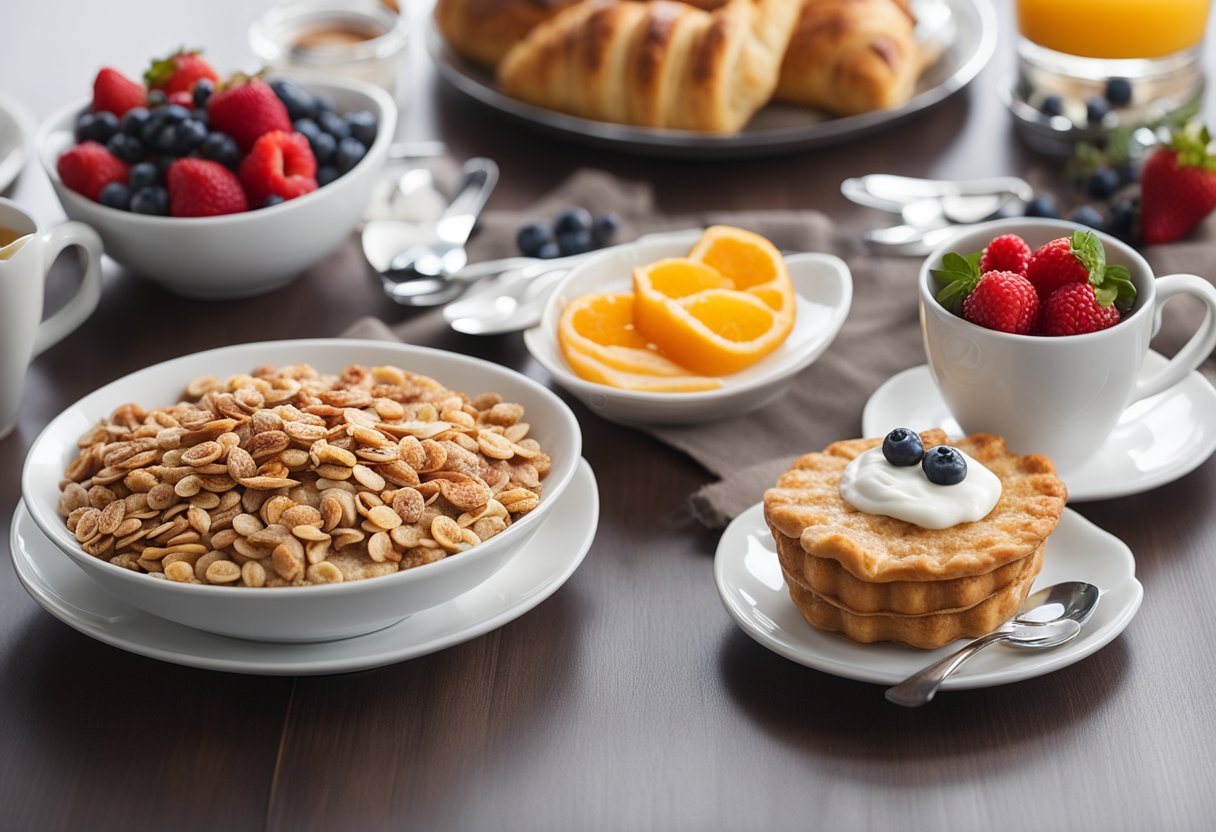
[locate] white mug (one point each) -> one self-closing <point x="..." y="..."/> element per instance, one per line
<point x="1058" y="396"/>
<point x="24" y="264"/>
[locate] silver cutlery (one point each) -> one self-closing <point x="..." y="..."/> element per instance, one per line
<point x="1048" y="618"/>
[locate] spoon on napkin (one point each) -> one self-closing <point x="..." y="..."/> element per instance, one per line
<point x="1049" y="618"/>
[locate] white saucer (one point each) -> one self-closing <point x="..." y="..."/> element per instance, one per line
<point x="16" y="137"/>
<point x="67" y="593"/>
<point x="753" y="591"/>
<point x="1156" y="441"/>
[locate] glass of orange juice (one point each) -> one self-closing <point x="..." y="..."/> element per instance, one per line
<point x="1086" y="66"/>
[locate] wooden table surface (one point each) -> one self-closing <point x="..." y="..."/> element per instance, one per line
<point x="628" y="700"/>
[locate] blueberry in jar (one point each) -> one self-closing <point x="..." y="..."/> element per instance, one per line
<point x="944" y="465"/>
<point x="1053" y="105"/>
<point x="903" y="447"/>
<point x="1119" y="91"/>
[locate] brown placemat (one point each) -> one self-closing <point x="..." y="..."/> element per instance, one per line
<point x="880" y="338"/>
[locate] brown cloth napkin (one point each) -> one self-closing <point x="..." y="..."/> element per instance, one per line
<point x="880" y="338"/>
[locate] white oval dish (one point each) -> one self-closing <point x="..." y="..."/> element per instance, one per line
<point x="233" y="255"/>
<point x="311" y="613"/>
<point x="824" y="293"/>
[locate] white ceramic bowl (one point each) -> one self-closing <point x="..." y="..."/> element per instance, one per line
<point x="824" y="289"/>
<point x="312" y="613"/>
<point x="234" y="255"/>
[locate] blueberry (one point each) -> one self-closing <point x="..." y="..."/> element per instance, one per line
<point x="604" y="228"/>
<point x="549" y="251"/>
<point x="903" y="447"/>
<point x="1042" y="206"/>
<point x="572" y="219"/>
<point x="1085" y="215"/>
<point x="1096" y="109"/>
<point x="157" y="98"/>
<point x="152" y="127"/>
<point x="84" y="127"/>
<point x="348" y="154"/>
<point x="116" y="195"/>
<point x="143" y="175"/>
<point x="1122" y="220"/>
<point x="1102" y="182"/>
<point x="133" y="122"/>
<point x="324" y="103"/>
<point x="203" y="88"/>
<point x="532" y="236"/>
<point x="326" y="174"/>
<point x="1129" y="173"/>
<point x="163" y="163"/>
<point x="199" y="114"/>
<point x="272" y="200"/>
<point x="151" y="200"/>
<point x="944" y="465"/>
<point x="1119" y="91"/>
<point x="574" y="242"/>
<point x="307" y="127"/>
<point x="1053" y="105"/>
<point x="127" y="148"/>
<point x="222" y="148"/>
<point x="175" y="114"/>
<point x="298" y="101"/>
<point x="323" y="147"/>
<point x="333" y="124"/>
<point x="105" y="125"/>
<point x="188" y="135"/>
<point x="362" y="126"/>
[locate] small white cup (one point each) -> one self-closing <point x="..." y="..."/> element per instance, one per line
<point x="1058" y="396"/>
<point x="24" y="264"/>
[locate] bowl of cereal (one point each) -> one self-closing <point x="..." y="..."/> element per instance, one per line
<point x="301" y="491"/>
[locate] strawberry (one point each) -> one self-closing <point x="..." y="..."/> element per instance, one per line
<point x="1007" y="253"/>
<point x="247" y="110"/>
<point x="88" y="167"/>
<point x="115" y="93"/>
<point x="1177" y="186"/>
<point x="201" y="188"/>
<point x="182" y="99"/>
<point x="179" y="72"/>
<point x="1054" y="265"/>
<point x="1005" y="301"/>
<point x="1075" y="309"/>
<point x="280" y="164"/>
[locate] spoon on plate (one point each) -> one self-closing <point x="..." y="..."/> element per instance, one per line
<point x="1049" y="618"/>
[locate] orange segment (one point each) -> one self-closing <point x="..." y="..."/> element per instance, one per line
<point x="597" y="337"/>
<point x="720" y="310"/>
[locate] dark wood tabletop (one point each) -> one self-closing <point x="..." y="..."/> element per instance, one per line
<point x="629" y="699"/>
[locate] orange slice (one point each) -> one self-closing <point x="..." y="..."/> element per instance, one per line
<point x="720" y="310"/>
<point x="598" y="340"/>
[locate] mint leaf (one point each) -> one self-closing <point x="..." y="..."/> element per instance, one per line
<point x="1118" y="279"/>
<point x="1087" y="248"/>
<point x="958" y="276"/>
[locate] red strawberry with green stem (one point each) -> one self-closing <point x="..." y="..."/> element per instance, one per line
<point x="1080" y="258"/>
<point x="179" y="72"/>
<point x="1177" y="186"/>
<point x="115" y="93"/>
<point x="247" y="110"/>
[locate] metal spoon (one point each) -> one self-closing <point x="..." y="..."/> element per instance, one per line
<point x="1049" y="618"/>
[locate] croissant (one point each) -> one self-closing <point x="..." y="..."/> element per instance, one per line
<point x="485" y="30"/>
<point x="654" y="64"/>
<point x="851" y="56"/>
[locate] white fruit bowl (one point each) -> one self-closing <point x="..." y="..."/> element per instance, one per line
<point x="307" y="613"/>
<point x="234" y="255"/>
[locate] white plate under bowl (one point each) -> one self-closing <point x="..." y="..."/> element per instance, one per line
<point x="753" y="591"/>
<point x="1156" y="441"/>
<point x="542" y="567"/>
<point x="307" y="613"/>
<point x="823" y="288"/>
<point x="16" y="139"/>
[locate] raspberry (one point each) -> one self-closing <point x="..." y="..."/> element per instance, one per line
<point x="201" y="188"/>
<point x="1053" y="266"/>
<point x="247" y="111"/>
<point x="1007" y="253"/>
<point x="88" y="167"/>
<point x="280" y="164"/>
<point x="1073" y="310"/>
<point x="1004" y="301"/>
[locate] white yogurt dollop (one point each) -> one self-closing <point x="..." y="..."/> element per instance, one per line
<point x="875" y="486"/>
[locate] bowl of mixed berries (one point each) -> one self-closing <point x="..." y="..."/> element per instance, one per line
<point x="218" y="188"/>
